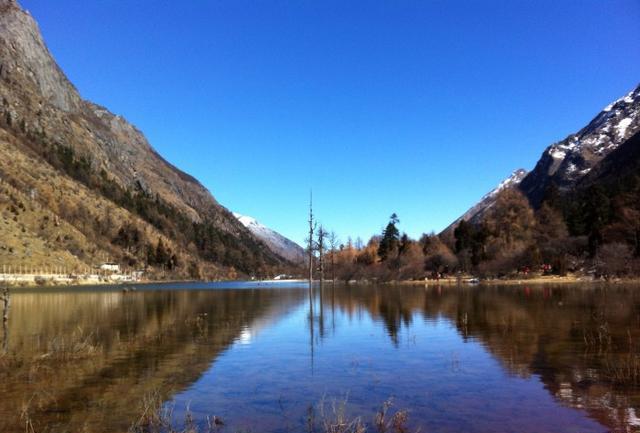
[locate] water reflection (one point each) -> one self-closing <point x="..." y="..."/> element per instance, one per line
<point x="580" y="342"/>
<point x="85" y="361"/>
<point x="460" y="359"/>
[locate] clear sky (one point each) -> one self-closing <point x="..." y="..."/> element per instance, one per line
<point x="413" y="107"/>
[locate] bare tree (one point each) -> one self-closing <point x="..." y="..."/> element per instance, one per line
<point x="310" y="248"/>
<point x="6" y="300"/>
<point x="322" y="235"/>
<point x="333" y="245"/>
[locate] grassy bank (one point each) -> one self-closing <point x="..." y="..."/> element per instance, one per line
<point x="533" y="280"/>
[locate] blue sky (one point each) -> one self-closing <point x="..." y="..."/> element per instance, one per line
<point x="413" y="107"/>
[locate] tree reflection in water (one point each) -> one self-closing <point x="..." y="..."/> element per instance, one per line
<point x="86" y="359"/>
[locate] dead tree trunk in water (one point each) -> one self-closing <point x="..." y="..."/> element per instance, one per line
<point x="322" y="234"/>
<point x="6" y="300"/>
<point x="312" y="228"/>
<point x="333" y="244"/>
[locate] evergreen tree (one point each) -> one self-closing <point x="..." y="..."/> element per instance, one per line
<point x="463" y="235"/>
<point x="552" y="197"/>
<point x="479" y="242"/>
<point x="151" y="255"/>
<point x="405" y="244"/>
<point x="597" y="214"/>
<point x="173" y="262"/>
<point x="162" y="256"/>
<point x="470" y="242"/>
<point x="390" y="241"/>
<point x="550" y="226"/>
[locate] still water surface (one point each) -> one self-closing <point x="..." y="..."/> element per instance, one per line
<point x="469" y="359"/>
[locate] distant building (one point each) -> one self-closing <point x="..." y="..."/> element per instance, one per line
<point x="111" y="267"/>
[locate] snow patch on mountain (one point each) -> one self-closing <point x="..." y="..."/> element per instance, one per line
<point x="513" y="180"/>
<point x="623" y="125"/>
<point x="608" y="130"/>
<point x="569" y="160"/>
<point x="279" y="244"/>
<point x="488" y="200"/>
<point x="566" y="162"/>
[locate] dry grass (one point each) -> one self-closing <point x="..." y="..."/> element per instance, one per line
<point x="598" y="339"/>
<point x="395" y="422"/>
<point x="8" y="362"/>
<point x="79" y="345"/>
<point x="623" y="369"/>
<point x="325" y="417"/>
<point x="334" y="418"/>
<point x="32" y="237"/>
<point x="58" y="226"/>
<point x="156" y="417"/>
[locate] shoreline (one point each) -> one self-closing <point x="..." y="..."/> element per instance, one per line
<point x="68" y="282"/>
<point x="48" y="281"/>
<point x="536" y="280"/>
<point x="26" y="283"/>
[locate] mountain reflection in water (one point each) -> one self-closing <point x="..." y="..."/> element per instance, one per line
<point x="473" y="359"/>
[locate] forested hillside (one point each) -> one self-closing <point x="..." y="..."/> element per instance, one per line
<point x="80" y="186"/>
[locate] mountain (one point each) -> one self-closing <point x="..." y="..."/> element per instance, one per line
<point x="279" y="244"/>
<point x="81" y="185"/>
<point x="619" y="164"/>
<point x="475" y="213"/>
<point x="604" y="207"/>
<point x="566" y="162"/>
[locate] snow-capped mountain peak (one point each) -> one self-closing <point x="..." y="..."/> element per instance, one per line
<point x="513" y="180"/>
<point x="248" y="221"/>
<point x="567" y="161"/>
<point x="616" y="123"/>
<point x="279" y="244"/>
<point x="476" y="213"/>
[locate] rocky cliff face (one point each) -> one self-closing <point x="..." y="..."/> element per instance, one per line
<point x="566" y="162"/>
<point x="37" y="91"/>
<point x="25" y="55"/>
<point x="45" y="120"/>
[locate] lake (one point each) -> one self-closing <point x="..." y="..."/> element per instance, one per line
<point x="262" y="358"/>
